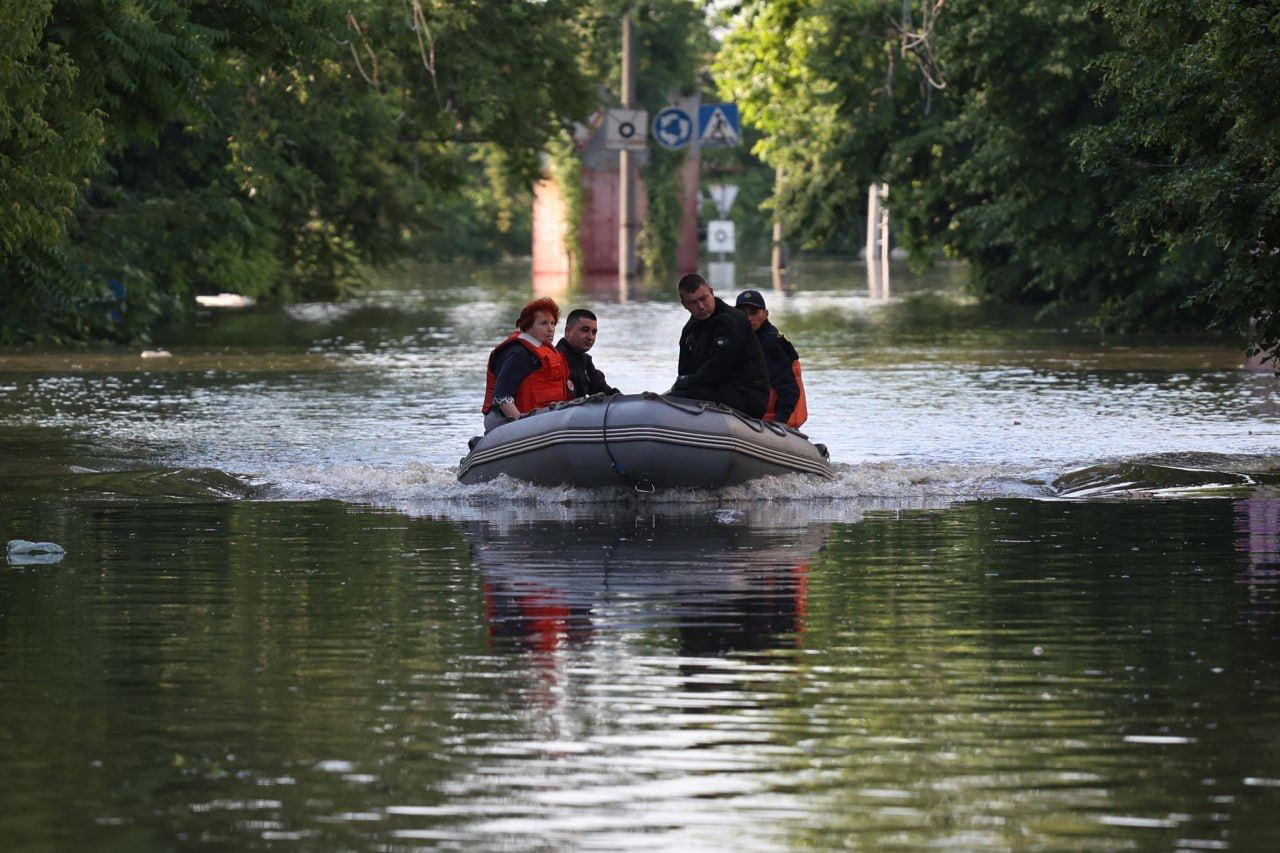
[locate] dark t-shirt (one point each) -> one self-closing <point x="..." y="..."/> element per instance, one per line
<point x="584" y="375"/>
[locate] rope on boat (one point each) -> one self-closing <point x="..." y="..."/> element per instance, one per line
<point x="640" y="486"/>
<point x="698" y="407"/>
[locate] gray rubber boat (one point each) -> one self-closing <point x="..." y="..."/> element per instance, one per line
<point x="646" y="441"/>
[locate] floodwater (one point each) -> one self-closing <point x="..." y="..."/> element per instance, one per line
<point x="1039" y="605"/>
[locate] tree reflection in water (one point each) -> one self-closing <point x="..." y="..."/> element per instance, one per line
<point x="1258" y="540"/>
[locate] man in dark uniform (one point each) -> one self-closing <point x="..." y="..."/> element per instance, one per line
<point x="720" y="357"/>
<point x="779" y="355"/>
<point x="580" y="330"/>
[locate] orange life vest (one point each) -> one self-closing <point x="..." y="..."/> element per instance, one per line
<point x="800" y="413"/>
<point x="546" y="385"/>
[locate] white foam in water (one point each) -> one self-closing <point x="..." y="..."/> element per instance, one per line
<point x="421" y="486"/>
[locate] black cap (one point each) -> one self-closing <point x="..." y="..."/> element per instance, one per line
<point x="750" y="297"/>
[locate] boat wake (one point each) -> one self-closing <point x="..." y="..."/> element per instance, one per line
<point x="422" y="489"/>
<point x="420" y="485"/>
<point x="1170" y="476"/>
<point x="170" y="485"/>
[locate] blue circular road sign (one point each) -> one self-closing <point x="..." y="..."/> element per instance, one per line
<point x="672" y="128"/>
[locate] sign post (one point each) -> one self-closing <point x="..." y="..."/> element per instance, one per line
<point x="626" y="179"/>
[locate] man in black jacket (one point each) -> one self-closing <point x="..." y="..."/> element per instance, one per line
<point x="781" y="358"/>
<point x="580" y="330"/>
<point x="720" y="357"/>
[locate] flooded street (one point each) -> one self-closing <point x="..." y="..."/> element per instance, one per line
<point x="1038" y="606"/>
<point x="925" y="395"/>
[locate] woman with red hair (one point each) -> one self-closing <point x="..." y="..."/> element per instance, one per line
<point x="525" y="371"/>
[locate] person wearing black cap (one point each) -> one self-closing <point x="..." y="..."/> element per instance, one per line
<point x="787" y="402"/>
<point x="720" y="357"/>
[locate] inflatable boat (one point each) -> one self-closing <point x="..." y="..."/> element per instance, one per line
<point x="646" y="441"/>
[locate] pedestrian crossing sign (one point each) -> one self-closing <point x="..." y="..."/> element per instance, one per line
<point x="718" y="125"/>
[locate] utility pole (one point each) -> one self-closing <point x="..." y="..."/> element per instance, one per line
<point x="873" y="231"/>
<point x="626" y="176"/>
<point x="884" y="242"/>
<point x="778" y="260"/>
<point x="878" y="241"/>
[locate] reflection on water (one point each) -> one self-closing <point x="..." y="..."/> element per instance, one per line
<point x="546" y="583"/>
<point x="1258" y="540"/>
<point x="554" y="590"/>
<point x="1003" y="673"/>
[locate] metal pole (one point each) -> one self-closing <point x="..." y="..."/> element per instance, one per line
<point x="626" y="178"/>
<point x="884" y="241"/>
<point x="873" y="225"/>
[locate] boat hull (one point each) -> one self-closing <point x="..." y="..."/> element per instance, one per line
<point x="648" y="441"/>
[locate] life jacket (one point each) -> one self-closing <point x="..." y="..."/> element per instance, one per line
<point x="800" y="413"/>
<point x="546" y="385"/>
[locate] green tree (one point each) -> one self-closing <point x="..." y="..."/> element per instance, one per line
<point x="47" y="141"/>
<point x="972" y="114"/>
<point x="838" y="107"/>
<point x="1033" y="225"/>
<point x="276" y="148"/>
<point x="48" y="144"/>
<point x="1197" y="131"/>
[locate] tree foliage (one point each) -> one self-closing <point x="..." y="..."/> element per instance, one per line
<point x="151" y="150"/>
<point x="815" y="77"/>
<point x="1116" y="156"/>
<point x="1023" y="87"/>
<point x="1197" y="131"/>
<point x="47" y="140"/>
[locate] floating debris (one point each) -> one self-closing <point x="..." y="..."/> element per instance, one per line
<point x="225" y="300"/>
<point x="20" y="552"/>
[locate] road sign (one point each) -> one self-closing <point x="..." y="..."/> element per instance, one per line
<point x="672" y="127"/>
<point x="721" y="275"/>
<point x="718" y="125"/>
<point x="625" y="129"/>
<point x="722" y="196"/>
<point x="720" y="235"/>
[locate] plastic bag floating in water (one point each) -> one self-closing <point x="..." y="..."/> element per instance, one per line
<point x="20" y="552"/>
